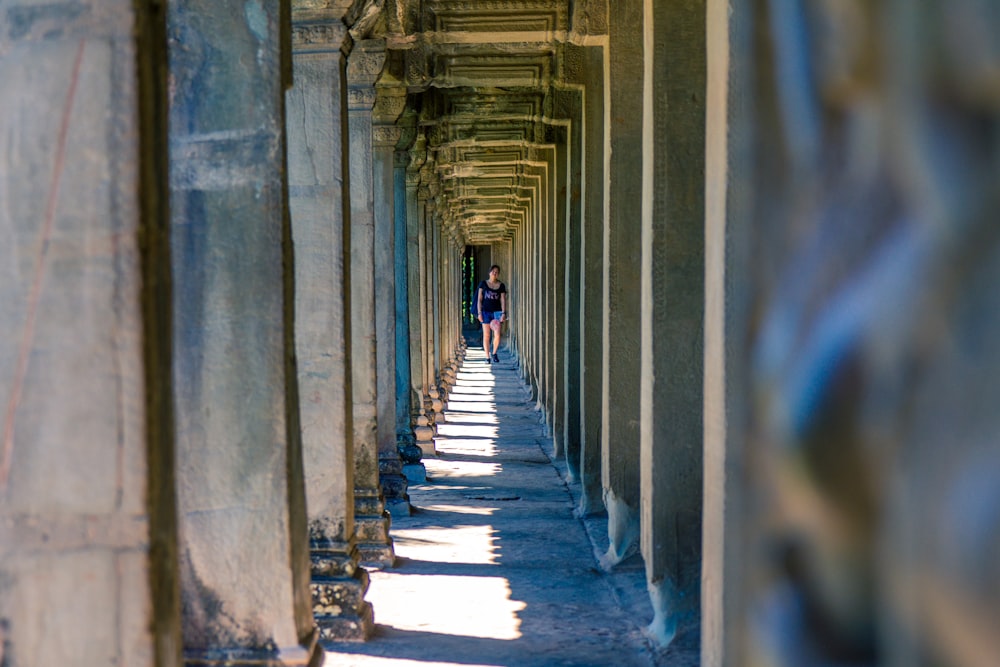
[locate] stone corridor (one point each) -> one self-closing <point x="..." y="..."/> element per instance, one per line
<point x="746" y="407"/>
<point x="492" y="568"/>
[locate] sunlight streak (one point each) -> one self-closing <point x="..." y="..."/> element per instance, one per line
<point x="469" y="406"/>
<point x="462" y="544"/>
<point x="445" y="604"/>
<point x="467" y="446"/>
<point x="469" y="387"/>
<point x="377" y="661"/>
<point x="445" y="468"/>
<point x="469" y="419"/>
<point x="459" y="509"/>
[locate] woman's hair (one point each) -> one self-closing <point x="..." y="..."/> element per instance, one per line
<point x="495" y="266"/>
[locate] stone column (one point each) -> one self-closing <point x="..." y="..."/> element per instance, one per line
<point x="722" y="638"/>
<point x="317" y="126"/>
<point x="673" y="313"/>
<point x="425" y="249"/>
<point x="572" y="100"/>
<point x="407" y="400"/>
<point x="414" y="203"/>
<point x="622" y="309"/>
<point x="557" y="258"/>
<point x="87" y="500"/>
<point x="425" y="426"/>
<point x="434" y="307"/>
<point x="539" y="223"/>
<point x="533" y="261"/>
<point x="551" y="266"/>
<point x="371" y="519"/>
<point x="391" y="478"/>
<point x="244" y="550"/>
<point x="592" y="282"/>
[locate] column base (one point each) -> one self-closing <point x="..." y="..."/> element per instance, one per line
<point x="394" y="484"/>
<point x="415" y="473"/>
<point x="338" y="590"/>
<point x="399" y="507"/>
<point x="425" y="430"/>
<point x="425" y="440"/>
<point x="371" y="531"/>
<point x="671" y="609"/>
<point x="623" y="530"/>
<point x="357" y="628"/>
<point x="309" y="654"/>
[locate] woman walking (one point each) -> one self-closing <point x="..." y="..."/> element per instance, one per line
<point x="491" y="297"/>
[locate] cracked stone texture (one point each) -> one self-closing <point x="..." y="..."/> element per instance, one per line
<point x="492" y="567"/>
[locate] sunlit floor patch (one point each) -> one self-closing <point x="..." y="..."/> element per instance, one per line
<point x="458" y="406"/>
<point x="346" y="660"/>
<point x="444" y="468"/>
<point x="444" y="604"/>
<point x="467" y="446"/>
<point x="470" y="419"/>
<point x="467" y="430"/>
<point x="458" y="509"/>
<point x="475" y="385"/>
<point x="461" y="544"/>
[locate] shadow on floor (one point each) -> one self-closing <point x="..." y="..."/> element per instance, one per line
<point x="493" y="569"/>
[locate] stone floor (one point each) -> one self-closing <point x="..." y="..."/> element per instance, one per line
<point x="493" y="569"/>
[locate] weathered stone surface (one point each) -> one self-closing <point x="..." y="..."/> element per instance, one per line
<point x="363" y="67"/>
<point x="87" y="517"/>
<point x="592" y="290"/>
<point x="338" y="596"/>
<point x="244" y="545"/>
<point x="322" y="329"/>
<point x="621" y="366"/>
<point x="672" y="394"/>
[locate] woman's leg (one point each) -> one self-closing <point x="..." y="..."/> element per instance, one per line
<point x="496" y="341"/>
<point x="486" y="339"/>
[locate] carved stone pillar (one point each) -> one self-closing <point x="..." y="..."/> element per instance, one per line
<point x="426" y="426"/>
<point x="415" y="204"/>
<point x="723" y="635"/>
<point x="371" y="519"/>
<point x="391" y="478"/>
<point x="317" y="126"/>
<point x="244" y="550"/>
<point x="406" y="399"/>
<point x="571" y="106"/>
<point x="557" y="259"/>
<point x="88" y="544"/>
<point x="592" y="282"/>
<point x="673" y="315"/>
<point x="622" y="309"/>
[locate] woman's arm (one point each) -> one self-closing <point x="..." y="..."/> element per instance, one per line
<point x="503" y="306"/>
<point x="479" y="302"/>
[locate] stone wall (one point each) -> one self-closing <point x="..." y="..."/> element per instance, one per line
<point x="854" y="460"/>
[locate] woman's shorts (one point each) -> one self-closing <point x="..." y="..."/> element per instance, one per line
<point x="489" y="317"/>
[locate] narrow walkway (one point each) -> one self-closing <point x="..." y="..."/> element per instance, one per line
<point x="493" y="569"/>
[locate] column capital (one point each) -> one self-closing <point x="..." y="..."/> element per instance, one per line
<point x="364" y="65"/>
<point x="386" y="136"/>
<point x="390" y="101"/>
<point x="319" y="35"/>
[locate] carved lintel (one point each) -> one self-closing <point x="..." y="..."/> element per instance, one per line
<point x="386" y="136"/>
<point x="360" y="97"/>
<point x="366" y="62"/>
<point x="389" y="104"/>
<point x="320" y="37"/>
